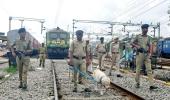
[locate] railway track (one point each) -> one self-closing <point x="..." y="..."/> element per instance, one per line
<point x="4" y="62"/>
<point x="108" y="64"/>
<point x="129" y="79"/>
<point x="63" y="87"/>
<point x="3" y="78"/>
<point x="54" y="80"/>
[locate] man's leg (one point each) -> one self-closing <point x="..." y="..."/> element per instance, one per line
<point x="149" y="73"/>
<point x="100" y="59"/>
<point x="84" y="74"/>
<point x="75" y="75"/>
<point x="20" y="67"/>
<point x="102" y="62"/>
<point x="40" y="60"/>
<point x="43" y="60"/>
<point x="25" y="70"/>
<point x="113" y="63"/>
<point x="139" y="62"/>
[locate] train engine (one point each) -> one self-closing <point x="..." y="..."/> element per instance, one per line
<point x="57" y="43"/>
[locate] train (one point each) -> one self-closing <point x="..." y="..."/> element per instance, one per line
<point x="163" y="47"/>
<point x="57" y="43"/>
<point x="12" y="36"/>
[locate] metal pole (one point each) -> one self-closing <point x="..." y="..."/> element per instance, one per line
<point x="124" y="28"/>
<point x="73" y="30"/>
<point x="159" y="30"/>
<point x="22" y="23"/>
<point x="10" y="19"/>
<point x="42" y="26"/>
<point x="111" y="29"/>
<point x="154" y="31"/>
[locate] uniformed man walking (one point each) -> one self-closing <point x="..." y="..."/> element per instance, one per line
<point x="142" y="43"/>
<point x="42" y="55"/>
<point x="101" y="50"/>
<point x="23" y="60"/>
<point x="78" y="59"/>
<point x="88" y="54"/>
<point x="115" y="55"/>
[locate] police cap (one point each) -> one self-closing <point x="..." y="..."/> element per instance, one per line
<point x="79" y="32"/>
<point x="144" y="26"/>
<point x="102" y="38"/>
<point x="21" y="30"/>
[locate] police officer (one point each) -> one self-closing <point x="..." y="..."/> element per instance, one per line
<point x="78" y="59"/>
<point x="115" y="55"/>
<point x="88" y="54"/>
<point x="42" y="55"/>
<point x="23" y="60"/>
<point x="142" y="43"/>
<point x="101" y="50"/>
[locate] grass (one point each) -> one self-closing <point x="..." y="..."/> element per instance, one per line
<point x="10" y="69"/>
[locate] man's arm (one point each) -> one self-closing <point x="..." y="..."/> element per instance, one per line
<point x="150" y="49"/>
<point x="97" y="48"/>
<point x="71" y="50"/>
<point x="135" y="43"/>
<point x="12" y="49"/>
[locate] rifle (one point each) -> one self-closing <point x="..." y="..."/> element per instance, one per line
<point x="142" y="50"/>
<point x="20" y="54"/>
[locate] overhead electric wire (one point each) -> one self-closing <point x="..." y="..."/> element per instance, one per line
<point x="58" y="10"/>
<point x="134" y="7"/>
<point x="131" y="2"/>
<point x="145" y="11"/>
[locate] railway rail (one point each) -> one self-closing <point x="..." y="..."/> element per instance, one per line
<point x="62" y="80"/>
<point x="54" y="81"/>
<point x="129" y="79"/>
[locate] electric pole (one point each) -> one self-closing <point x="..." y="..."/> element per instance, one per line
<point x="22" y="19"/>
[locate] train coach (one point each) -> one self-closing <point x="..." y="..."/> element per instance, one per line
<point x="57" y="43"/>
<point x="163" y="47"/>
<point x="12" y="36"/>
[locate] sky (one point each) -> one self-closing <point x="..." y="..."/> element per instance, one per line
<point x="62" y="12"/>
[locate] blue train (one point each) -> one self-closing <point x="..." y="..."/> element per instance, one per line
<point x="163" y="48"/>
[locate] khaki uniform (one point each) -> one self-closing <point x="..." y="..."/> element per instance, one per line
<point x="115" y="55"/>
<point x="101" y="50"/>
<point x="88" y="56"/>
<point x="23" y="62"/>
<point x="141" y="58"/>
<point x="42" y="55"/>
<point x="79" y="60"/>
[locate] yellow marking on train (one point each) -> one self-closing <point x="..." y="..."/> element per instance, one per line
<point x="167" y="83"/>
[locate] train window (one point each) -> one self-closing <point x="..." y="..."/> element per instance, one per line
<point x="63" y="36"/>
<point x="53" y="36"/>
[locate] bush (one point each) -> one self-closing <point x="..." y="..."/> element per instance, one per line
<point x="11" y="69"/>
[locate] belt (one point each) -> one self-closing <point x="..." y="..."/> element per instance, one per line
<point x="102" y="52"/>
<point x="142" y="50"/>
<point x="115" y="52"/>
<point x="79" y="57"/>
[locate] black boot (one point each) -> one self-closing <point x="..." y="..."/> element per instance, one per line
<point x="118" y="75"/>
<point x="137" y="85"/>
<point x="153" y="87"/>
<point x="40" y="64"/>
<point x="20" y="85"/>
<point x="75" y="89"/>
<point x="80" y="82"/>
<point x="110" y="74"/>
<point x="24" y="87"/>
<point x="87" y="90"/>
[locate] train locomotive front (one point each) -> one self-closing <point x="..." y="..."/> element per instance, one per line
<point x="57" y="42"/>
